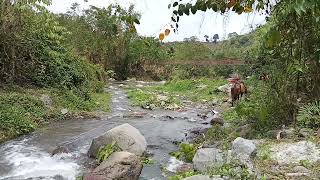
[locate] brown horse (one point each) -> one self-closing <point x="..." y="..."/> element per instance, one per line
<point x="238" y="89"/>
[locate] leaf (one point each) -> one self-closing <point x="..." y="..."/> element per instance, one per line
<point x="169" y="6"/>
<point x="247" y="9"/>
<point x="175" y="4"/>
<point x="173" y="19"/>
<point x="136" y="21"/>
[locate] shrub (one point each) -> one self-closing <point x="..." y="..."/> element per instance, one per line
<point x="309" y="115"/>
<point x="107" y="150"/>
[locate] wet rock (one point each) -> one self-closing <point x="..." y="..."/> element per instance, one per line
<point x="167" y="117"/>
<point x="203" y="115"/>
<point x="173" y="165"/>
<point x="306" y="132"/>
<point x="126" y="137"/>
<point x="225" y="88"/>
<point x="47" y="101"/>
<point x="290" y="153"/>
<point x="135" y="115"/>
<point x="120" y="165"/>
<point x="194" y="133"/>
<point x="217" y="121"/>
<point x="173" y="107"/>
<point x="60" y="150"/>
<point x="206" y="158"/>
<point x="149" y="106"/>
<point x="203" y="177"/>
<point x="185" y="167"/>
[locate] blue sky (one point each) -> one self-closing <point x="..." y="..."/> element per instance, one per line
<point x="156" y="15"/>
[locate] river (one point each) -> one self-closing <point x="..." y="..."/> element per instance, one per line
<point x="29" y="157"/>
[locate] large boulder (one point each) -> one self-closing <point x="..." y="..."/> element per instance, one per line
<point x="289" y="153"/>
<point x="120" y="165"/>
<point x="241" y="146"/>
<point x="244" y="150"/>
<point x="206" y="158"/>
<point x="202" y="177"/>
<point x="127" y="138"/>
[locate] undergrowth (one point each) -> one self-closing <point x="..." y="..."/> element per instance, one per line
<point x="22" y="110"/>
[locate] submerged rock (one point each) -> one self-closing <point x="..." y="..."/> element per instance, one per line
<point x="127" y="137"/>
<point x="120" y="165"/>
<point x="289" y="153"/>
<point x="60" y="150"/>
<point x="206" y="158"/>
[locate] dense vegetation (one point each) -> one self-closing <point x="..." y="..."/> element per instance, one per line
<point x="288" y="51"/>
<point x="65" y="58"/>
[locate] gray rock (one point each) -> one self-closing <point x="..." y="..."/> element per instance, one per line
<point x="126" y="137"/>
<point x="47" y="101"/>
<point x="244" y="130"/>
<point x="64" y="111"/>
<point x="120" y="165"/>
<point x="306" y="132"/>
<point x="162" y="98"/>
<point x="225" y="88"/>
<point x="290" y="153"/>
<point x="202" y="177"/>
<point x="241" y="146"/>
<point x="244" y="150"/>
<point x="206" y="158"/>
<point x="60" y="150"/>
<point x="300" y="169"/>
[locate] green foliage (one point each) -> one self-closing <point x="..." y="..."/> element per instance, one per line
<point x="183" y="175"/>
<point x="147" y="161"/>
<point x="309" y="115"/>
<point x="186" y="152"/>
<point x="22" y="110"/>
<point x="232" y="170"/>
<point x="106" y="151"/>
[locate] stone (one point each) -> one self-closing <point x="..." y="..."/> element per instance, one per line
<point x="60" y="150"/>
<point x="162" y="98"/>
<point x="135" y="115"/>
<point x="305" y="132"/>
<point x="185" y="167"/>
<point x="127" y="137"/>
<point x="300" y="169"/>
<point x="225" y="88"/>
<point x="217" y="121"/>
<point x="290" y="153"/>
<point x="47" y="101"/>
<point x="244" y="130"/>
<point x="120" y="165"/>
<point x="64" y="111"/>
<point x="241" y="146"/>
<point x="244" y="150"/>
<point x="203" y="177"/>
<point x="206" y="158"/>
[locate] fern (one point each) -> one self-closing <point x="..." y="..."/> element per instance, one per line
<point x="309" y="115"/>
<point x="106" y="151"/>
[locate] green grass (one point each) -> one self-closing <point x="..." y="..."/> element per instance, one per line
<point x="182" y="175"/>
<point x="196" y="90"/>
<point x="22" y="110"/>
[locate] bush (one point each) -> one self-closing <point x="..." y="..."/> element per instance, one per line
<point x="309" y="115"/>
<point x="186" y="152"/>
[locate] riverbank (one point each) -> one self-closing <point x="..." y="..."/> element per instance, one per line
<point x="23" y="110"/>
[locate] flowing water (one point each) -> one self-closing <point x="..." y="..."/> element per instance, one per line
<point x="29" y="157"/>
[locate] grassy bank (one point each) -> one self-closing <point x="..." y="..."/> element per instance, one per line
<point x="175" y="91"/>
<point x="24" y="110"/>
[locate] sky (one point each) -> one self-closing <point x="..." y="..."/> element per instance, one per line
<point x="155" y="17"/>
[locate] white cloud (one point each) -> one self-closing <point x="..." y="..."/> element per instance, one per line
<point x="155" y="16"/>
